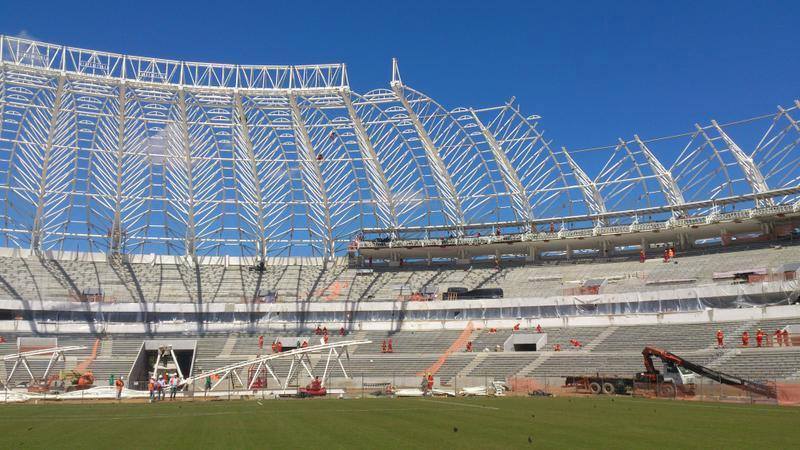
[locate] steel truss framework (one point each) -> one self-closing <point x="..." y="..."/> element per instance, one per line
<point x="300" y="360"/>
<point x="21" y="360"/>
<point x="122" y="154"/>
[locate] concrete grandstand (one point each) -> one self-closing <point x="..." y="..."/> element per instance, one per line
<point x="152" y="203"/>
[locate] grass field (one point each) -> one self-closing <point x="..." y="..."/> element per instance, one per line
<point x="463" y="423"/>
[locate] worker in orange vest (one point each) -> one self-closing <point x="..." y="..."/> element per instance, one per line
<point x="119" y="384"/>
<point x="759" y="337"/>
<point x="745" y="339"/>
<point x="720" y="338"/>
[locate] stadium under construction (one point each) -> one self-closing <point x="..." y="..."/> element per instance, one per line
<point x="268" y="227"/>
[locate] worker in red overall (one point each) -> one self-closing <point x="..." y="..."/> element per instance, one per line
<point x="720" y="338"/>
<point x="469" y="346"/>
<point x="785" y="335"/>
<point x="279" y="346"/>
<point x="759" y="337"/>
<point x="260" y="342"/>
<point x="274" y="347"/>
<point x="389" y="348"/>
<point x="324" y="330"/>
<point x="538" y="328"/>
<point x="430" y="381"/>
<point x="325" y="338"/>
<point x="746" y="339"/>
<point x="642" y="256"/>
<point x="383" y="346"/>
<point x="341" y="331"/>
<point x="779" y="338"/>
<point x="305" y="344"/>
<point x="556" y="347"/>
<point x="318" y="331"/>
<point x="516" y="327"/>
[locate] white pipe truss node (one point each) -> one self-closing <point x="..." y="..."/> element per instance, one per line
<point x="114" y="153"/>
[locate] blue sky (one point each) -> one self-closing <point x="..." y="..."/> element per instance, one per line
<point x="594" y="70"/>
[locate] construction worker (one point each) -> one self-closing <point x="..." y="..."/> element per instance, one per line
<point x="325" y="338"/>
<point x="389" y="348"/>
<point x="642" y="256"/>
<point x="173" y="386"/>
<point x="305" y="344"/>
<point x="151" y="387"/>
<point x="318" y="331"/>
<point x="779" y="338"/>
<point x="759" y="337"/>
<point x="666" y="255"/>
<point x="274" y="347"/>
<point x="260" y="342"/>
<point x="383" y="346"/>
<point x="279" y="346"/>
<point x="325" y="330"/>
<point x="785" y="335"/>
<point x="207" y="385"/>
<point x="745" y="339"/>
<point x="516" y="327"/>
<point x="538" y="328"/>
<point x="469" y="346"/>
<point x="341" y="331"/>
<point x="119" y="383"/>
<point x="556" y="347"/>
<point x="720" y="338"/>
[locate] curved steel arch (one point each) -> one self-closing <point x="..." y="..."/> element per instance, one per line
<point x="108" y="152"/>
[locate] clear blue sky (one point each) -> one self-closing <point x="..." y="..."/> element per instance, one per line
<point x="594" y="70"/>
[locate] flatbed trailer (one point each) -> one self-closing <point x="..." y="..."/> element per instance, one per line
<point x="600" y="384"/>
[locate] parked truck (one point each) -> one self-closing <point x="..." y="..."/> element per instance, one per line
<point x="680" y="376"/>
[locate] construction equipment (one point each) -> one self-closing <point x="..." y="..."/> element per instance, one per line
<point x="674" y="363"/>
<point x="680" y="376"/>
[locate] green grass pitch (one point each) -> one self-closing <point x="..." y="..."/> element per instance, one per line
<point x="446" y="423"/>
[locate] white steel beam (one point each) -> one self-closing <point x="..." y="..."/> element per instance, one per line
<point x="312" y="177"/>
<point x="451" y="203"/>
<point x="242" y="130"/>
<point x="668" y="185"/>
<point x="183" y="124"/>
<point x="591" y="194"/>
<point x="512" y="181"/>
<point x="41" y="195"/>
<point x="116" y="226"/>
<point x="384" y="200"/>
<point x="751" y="171"/>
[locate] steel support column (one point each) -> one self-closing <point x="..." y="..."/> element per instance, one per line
<point x="444" y="184"/>
<point x="116" y="227"/>
<point x="312" y="176"/>
<point x="590" y="192"/>
<point x="242" y="139"/>
<point x="187" y="155"/>
<point x="512" y="181"/>
<point x="668" y="185"/>
<point x="751" y="171"/>
<point x="379" y="186"/>
<point x="41" y="195"/>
